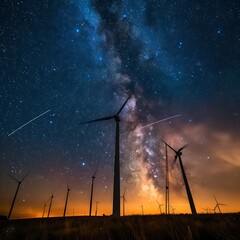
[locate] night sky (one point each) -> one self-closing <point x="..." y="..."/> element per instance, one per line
<point x="81" y="60"/>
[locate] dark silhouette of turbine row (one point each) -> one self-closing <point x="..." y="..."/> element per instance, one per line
<point x="116" y="182"/>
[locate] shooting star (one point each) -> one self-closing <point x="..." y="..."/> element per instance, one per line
<point x="162" y="120"/>
<point x="25" y="124"/>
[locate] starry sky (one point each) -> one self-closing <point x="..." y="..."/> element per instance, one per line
<point x="79" y="60"/>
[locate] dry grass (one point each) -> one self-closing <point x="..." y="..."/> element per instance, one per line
<point x="177" y="227"/>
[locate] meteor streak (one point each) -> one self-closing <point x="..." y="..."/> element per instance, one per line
<point x="25" y="124"/>
<point x="162" y="120"/>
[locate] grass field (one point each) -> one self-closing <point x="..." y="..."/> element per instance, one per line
<point x="171" y="227"/>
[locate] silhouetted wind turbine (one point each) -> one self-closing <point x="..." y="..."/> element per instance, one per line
<point x="159" y="207"/>
<point x="44" y="207"/>
<point x="15" y="196"/>
<point x="116" y="183"/>
<point x="91" y="197"/>
<point x="206" y="209"/>
<point x="178" y="156"/>
<point x="218" y="205"/>
<point x="142" y="209"/>
<point x="66" y="202"/>
<point x="96" y="208"/>
<point x="124" y="201"/>
<point x="50" y="205"/>
<point x="173" y="210"/>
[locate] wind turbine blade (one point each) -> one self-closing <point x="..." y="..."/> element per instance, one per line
<point x="14" y="178"/>
<point x="24" y="176"/>
<point x="124" y="199"/>
<point x="170" y="146"/>
<point x="180" y="149"/>
<point x="222" y="204"/>
<point x="124" y="192"/>
<point x="123" y="106"/>
<point x="97" y="120"/>
<point x="215" y="198"/>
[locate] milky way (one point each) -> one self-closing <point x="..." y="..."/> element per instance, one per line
<point x="82" y="59"/>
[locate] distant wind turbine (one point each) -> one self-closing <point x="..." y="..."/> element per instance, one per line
<point x="218" y="205"/>
<point x="206" y="209"/>
<point x="116" y="183"/>
<point x="159" y="207"/>
<point x="44" y="207"/>
<point x="91" y="197"/>
<point x="178" y="154"/>
<point x="15" y="196"/>
<point x="66" y="202"/>
<point x="50" y="205"/>
<point x="142" y="209"/>
<point x="173" y="209"/>
<point x="124" y="201"/>
<point x="96" y="211"/>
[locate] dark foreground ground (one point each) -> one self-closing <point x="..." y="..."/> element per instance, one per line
<point x="174" y="227"/>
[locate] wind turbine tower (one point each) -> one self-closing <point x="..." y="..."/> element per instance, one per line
<point x="15" y="196"/>
<point x="142" y="209"/>
<point x="178" y="154"/>
<point x="96" y="208"/>
<point x="91" y="197"/>
<point x="167" y="203"/>
<point x="66" y="202"/>
<point x="116" y="181"/>
<point x="50" y="206"/>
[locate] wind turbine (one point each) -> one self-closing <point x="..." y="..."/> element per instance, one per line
<point x="15" y="196"/>
<point x="218" y="205"/>
<point x="124" y="201"/>
<point x="173" y="210"/>
<point x="50" y="205"/>
<point x="44" y="207"/>
<point x="206" y="209"/>
<point x="93" y="177"/>
<point x="66" y="202"/>
<point x="142" y="209"/>
<point x="116" y="183"/>
<point x="167" y="201"/>
<point x="96" y="208"/>
<point x="178" y="156"/>
<point x="159" y="207"/>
